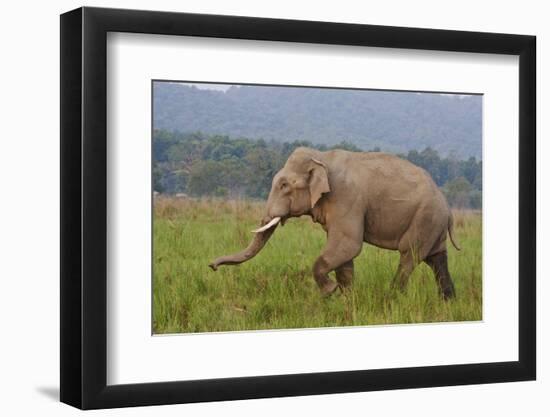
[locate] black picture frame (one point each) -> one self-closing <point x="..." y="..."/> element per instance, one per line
<point x="84" y="207"/>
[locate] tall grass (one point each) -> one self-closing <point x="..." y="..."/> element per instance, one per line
<point x="276" y="290"/>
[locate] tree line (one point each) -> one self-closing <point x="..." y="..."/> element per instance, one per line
<point x="199" y="164"/>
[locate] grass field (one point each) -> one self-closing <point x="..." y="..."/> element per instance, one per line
<point x="276" y="290"/>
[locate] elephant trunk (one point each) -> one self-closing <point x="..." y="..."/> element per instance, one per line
<point x="260" y="238"/>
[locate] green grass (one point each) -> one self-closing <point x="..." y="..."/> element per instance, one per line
<point x="276" y="290"/>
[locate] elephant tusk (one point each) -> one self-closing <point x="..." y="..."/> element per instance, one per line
<point x="272" y="223"/>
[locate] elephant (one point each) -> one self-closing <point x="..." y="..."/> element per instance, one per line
<point x="358" y="197"/>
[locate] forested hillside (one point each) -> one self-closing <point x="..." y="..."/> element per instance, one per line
<point x="198" y="164"/>
<point x="396" y="122"/>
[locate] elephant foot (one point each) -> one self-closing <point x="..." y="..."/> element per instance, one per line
<point x="449" y="294"/>
<point x="397" y="288"/>
<point x="328" y="288"/>
<point x="345" y="289"/>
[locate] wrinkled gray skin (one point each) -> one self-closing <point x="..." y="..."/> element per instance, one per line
<point x="360" y="197"/>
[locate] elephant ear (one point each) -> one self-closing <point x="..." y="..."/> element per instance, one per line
<point x="318" y="181"/>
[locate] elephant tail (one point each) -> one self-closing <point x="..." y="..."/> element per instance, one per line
<point x="450" y="228"/>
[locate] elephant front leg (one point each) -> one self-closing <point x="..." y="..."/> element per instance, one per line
<point x="320" y="272"/>
<point x="338" y="255"/>
<point x="344" y="275"/>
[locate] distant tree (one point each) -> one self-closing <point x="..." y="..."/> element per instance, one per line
<point x="205" y="177"/>
<point x="478" y="180"/>
<point x="470" y="169"/>
<point x="262" y="166"/>
<point x="475" y="199"/>
<point x="458" y="192"/>
<point x="453" y="165"/>
<point x="157" y="179"/>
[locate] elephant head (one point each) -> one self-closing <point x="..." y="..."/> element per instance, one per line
<point x="295" y="190"/>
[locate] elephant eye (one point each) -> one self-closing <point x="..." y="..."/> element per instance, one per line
<point x="284" y="185"/>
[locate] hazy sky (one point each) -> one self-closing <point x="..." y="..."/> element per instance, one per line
<point x="222" y="87"/>
<point x="225" y="87"/>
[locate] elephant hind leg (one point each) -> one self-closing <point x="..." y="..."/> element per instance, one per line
<point x="407" y="263"/>
<point x="423" y="238"/>
<point x="438" y="263"/>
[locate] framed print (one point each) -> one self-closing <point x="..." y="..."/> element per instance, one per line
<point x="400" y="161"/>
